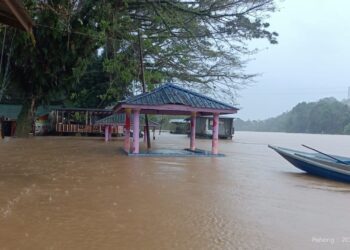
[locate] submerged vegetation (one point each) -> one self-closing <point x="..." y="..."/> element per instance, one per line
<point x="327" y="116"/>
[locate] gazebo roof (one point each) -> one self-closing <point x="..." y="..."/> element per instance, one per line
<point x="13" y="13"/>
<point x="119" y="119"/>
<point x="172" y="99"/>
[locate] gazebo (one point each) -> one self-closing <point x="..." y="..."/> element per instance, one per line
<point x="170" y="99"/>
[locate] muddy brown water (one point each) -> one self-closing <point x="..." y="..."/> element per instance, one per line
<point x="81" y="193"/>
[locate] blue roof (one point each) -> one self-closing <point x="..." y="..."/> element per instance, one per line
<point x="173" y="94"/>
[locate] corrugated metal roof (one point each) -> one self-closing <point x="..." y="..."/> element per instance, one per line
<point x="90" y="110"/>
<point x="11" y="111"/>
<point x="120" y="119"/>
<point x="173" y="94"/>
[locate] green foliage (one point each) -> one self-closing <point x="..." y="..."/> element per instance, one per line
<point x="347" y="129"/>
<point x="60" y="56"/>
<point x="325" y="116"/>
<point x="199" y="43"/>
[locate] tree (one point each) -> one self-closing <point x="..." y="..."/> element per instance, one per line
<point x="46" y="71"/>
<point x="5" y="59"/>
<point x="325" y="116"/>
<point x="347" y="129"/>
<point x="199" y="43"/>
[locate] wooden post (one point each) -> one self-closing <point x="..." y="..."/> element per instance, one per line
<point x="2" y="129"/>
<point x="144" y="134"/>
<point x="215" y="140"/>
<point x="106" y="133"/>
<point x="142" y="79"/>
<point x="193" y="132"/>
<point x="110" y="132"/>
<point x="127" y="131"/>
<point x="136" y="131"/>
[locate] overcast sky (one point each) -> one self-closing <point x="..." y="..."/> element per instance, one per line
<point x="310" y="62"/>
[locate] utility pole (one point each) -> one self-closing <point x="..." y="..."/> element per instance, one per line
<point x="142" y="79"/>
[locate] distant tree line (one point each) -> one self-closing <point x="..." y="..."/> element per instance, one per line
<point x="327" y="116"/>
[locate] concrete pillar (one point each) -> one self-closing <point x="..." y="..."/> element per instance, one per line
<point x="127" y="131"/>
<point x="193" y="132"/>
<point x="215" y="140"/>
<point x="136" y="132"/>
<point x="106" y="133"/>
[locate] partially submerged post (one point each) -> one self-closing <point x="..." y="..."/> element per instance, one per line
<point x="127" y="131"/>
<point x="193" y="131"/>
<point x="136" y="131"/>
<point x="215" y="140"/>
<point x="142" y="79"/>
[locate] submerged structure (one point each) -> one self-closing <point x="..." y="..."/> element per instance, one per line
<point x="79" y="120"/>
<point x="204" y="126"/>
<point x="9" y="114"/>
<point x="115" y="124"/>
<point x="170" y="99"/>
<point x="179" y="126"/>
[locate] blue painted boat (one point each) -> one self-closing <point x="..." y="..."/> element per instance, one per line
<point x="320" y="164"/>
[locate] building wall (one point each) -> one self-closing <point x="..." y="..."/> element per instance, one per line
<point x="204" y="126"/>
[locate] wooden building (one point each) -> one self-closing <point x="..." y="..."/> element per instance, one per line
<point x="69" y="121"/>
<point x="204" y="126"/>
<point x="179" y="126"/>
<point x="10" y="113"/>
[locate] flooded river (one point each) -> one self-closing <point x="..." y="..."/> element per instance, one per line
<point x="81" y="193"/>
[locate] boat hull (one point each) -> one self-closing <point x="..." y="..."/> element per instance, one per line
<point x="313" y="167"/>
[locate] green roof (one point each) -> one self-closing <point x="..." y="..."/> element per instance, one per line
<point x="11" y="111"/>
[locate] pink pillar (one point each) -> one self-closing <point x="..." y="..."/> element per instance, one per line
<point x="106" y="133"/>
<point x="193" y="132"/>
<point x="215" y="141"/>
<point x="136" y="132"/>
<point x="127" y="131"/>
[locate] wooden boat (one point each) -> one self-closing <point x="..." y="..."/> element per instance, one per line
<point x="320" y="164"/>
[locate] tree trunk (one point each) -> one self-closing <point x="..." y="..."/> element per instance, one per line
<point x="26" y="117"/>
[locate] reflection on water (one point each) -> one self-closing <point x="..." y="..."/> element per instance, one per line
<point x="81" y="193"/>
